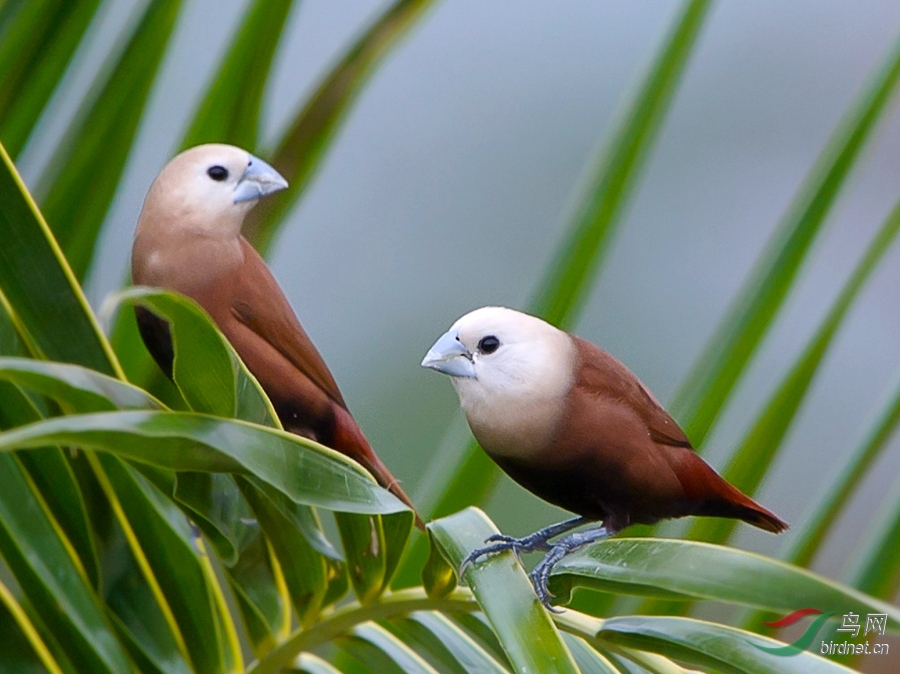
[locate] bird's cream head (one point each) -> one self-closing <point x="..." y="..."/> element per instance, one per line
<point x="208" y="189"/>
<point x="511" y="371"/>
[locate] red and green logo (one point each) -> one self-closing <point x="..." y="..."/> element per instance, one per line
<point x="805" y="639"/>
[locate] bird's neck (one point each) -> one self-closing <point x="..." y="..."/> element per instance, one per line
<point x="184" y="261"/>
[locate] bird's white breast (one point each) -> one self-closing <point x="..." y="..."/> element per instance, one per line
<point x="514" y="407"/>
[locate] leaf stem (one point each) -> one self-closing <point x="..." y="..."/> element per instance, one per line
<point x="347" y="617"/>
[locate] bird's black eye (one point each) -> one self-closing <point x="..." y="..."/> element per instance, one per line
<point x="218" y="173"/>
<point x="488" y="344"/>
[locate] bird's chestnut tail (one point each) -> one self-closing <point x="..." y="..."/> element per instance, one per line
<point x="764" y="519"/>
<point x="709" y="494"/>
<point x="389" y="482"/>
<point x="731" y="502"/>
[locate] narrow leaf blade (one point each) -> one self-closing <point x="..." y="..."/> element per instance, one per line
<point x="503" y="591"/>
<point x="707" y="387"/>
<point x="39" y="286"/>
<point x="830" y="507"/>
<point x="669" y="569"/>
<point x="229" y="112"/>
<point x="300" y="152"/>
<point x="708" y="645"/>
<point x="759" y="448"/>
<point x="98" y="142"/>
<point x="35" y="50"/>
<point x="54" y="582"/>
<point x="20" y="642"/>
<point x="305" y="471"/>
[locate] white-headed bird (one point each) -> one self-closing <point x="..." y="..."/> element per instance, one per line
<point x="188" y="239"/>
<point x="574" y="426"/>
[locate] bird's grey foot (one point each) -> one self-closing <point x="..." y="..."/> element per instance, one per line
<point x="540" y="575"/>
<point x="539" y="540"/>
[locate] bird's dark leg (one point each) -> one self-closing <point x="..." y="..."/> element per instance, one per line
<point x="536" y="541"/>
<point x="540" y="575"/>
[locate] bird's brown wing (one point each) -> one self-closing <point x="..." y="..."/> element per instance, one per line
<point x="266" y="333"/>
<point x="604" y="376"/>
<point x="602" y="461"/>
<point x="277" y="324"/>
<point x="626" y="420"/>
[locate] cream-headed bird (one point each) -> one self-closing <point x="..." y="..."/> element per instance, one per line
<point x="574" y="426"/>
<point x="188" y="239"/>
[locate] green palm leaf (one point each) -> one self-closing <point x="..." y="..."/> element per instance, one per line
<point x="229" y="113"/>
<point x="710" y="646"/>
<point x="300" y="152"/>
<point x="707" y="387"/>
<point x="85" y="170"/>
<point x="669" y="569"/>
<point x="760" y="446"/>
<point x="38" y="285"/>
<point x="531" y="641"/>
<point x="37" y="41"/>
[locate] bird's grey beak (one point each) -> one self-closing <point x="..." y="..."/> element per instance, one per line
<point x="448" y="355"/>
<point x="259" y="180"/>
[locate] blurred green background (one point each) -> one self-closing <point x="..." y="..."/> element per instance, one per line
<point x="450" y="182"/>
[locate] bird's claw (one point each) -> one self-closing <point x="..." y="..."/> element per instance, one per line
<point x="501" y="538"/>
<point x="540" y="579"/>
<point x="493" y="549"/>
<point x="501" y="543"/>
<point x="540" y="576"/>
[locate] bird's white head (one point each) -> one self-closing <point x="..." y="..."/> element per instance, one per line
<point x="208" y="189"/>
<point x="505" y="364"/>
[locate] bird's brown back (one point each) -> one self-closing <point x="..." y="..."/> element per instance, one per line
<point x="242" y="297"/>
<point x="617" y="455"/>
